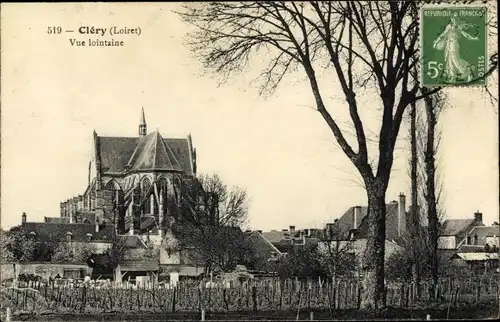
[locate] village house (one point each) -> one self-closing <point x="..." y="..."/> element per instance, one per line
<point x="265" y="254"/>
<point x="453" y="233"/>
<point x="349" y="233"/>
<point x="478" y="250"/>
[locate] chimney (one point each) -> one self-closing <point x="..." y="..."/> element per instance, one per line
<point x="401" y="215"/>
<point x="23" y="218"/>
<point x="357" y="214"/>
<point x="292" y="229"/>
<point x="478" y="216"/>
<point x="97" y="224"/>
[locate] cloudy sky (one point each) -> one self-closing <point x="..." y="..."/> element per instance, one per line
<point x="279" y="149"/>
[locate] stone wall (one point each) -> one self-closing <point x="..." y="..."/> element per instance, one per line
<point x="45" y="270"/>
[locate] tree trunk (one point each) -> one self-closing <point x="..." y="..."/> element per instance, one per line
<point x="373" y="261"/>
<point x="430" y="169"/>
<point x="415" y="214"/>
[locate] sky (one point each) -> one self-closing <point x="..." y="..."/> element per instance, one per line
<point x="277" y="148"/>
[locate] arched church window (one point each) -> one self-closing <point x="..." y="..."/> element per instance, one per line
<point x="162" y="191"/>
<point x="69" y="236"/>
<point x="112" y="185"/>
<point x="145" y="194"/>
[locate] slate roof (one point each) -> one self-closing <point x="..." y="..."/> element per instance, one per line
<point x="132" y="241"/>
<point x="116" y="152"/>
<point x="139" y="266"/>
<point x="260" y="244"/>
<point x="391" y="223"/>
<point x="57" y="231"/>
<point x="346" y="222"/>
<point x="455" y="227"/>
<point x="152" y="153"/>
<point x="484" y="231"/>
<point x="275" y="236"/>
<point x="471" y="249"/>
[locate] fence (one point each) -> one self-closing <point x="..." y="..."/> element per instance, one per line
<point x="271" y="295"/>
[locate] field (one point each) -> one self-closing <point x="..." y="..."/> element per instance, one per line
<point x="272" y="299"/>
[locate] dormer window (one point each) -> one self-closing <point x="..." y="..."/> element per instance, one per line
<point x="468" y="240"/>
<point x="69" y="236"/>
<point x="89" y="236"/>
<point x="32" y="235"/>
<point x="475" y="239"/>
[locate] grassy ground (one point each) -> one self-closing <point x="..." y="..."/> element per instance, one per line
<point x="468" y="313"/>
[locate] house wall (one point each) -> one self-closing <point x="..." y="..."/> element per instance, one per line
<point x="358" y="247"/>
<point x="492" y="241"/>
<point x="46" y="270"/>
<point x="7" y="271"/>
<point x="169" y="258"/>
<point x="97" y="247"/>
<point x="447" y="242"/>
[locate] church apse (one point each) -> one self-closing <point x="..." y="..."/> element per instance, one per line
<point x="137" y="182"/>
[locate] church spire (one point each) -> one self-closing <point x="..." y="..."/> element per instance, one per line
<point x="142" y="125"/>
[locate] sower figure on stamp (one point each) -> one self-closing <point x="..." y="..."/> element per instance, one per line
<point x="448" y="41"/>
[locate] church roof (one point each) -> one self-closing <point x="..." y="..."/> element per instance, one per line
<point x="115" y="152"/>
<point x="153" y="153"/>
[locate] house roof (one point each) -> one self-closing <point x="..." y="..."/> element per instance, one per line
<point x="260" y="244"/>
<point x="116" y="152"/>
<point x="471" y="249"/>
<point x="139" y="265"/>
<point x="483" y="232"/>
<point x="476" y="256"/>
<point x="275" y="236"/>
<point x="455" y="227"/>
<point x="132" y="241"/>
<point x="346" y="222"/>
<point x="57" y="231"/>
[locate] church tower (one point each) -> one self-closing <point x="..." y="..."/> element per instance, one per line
<point x="142" y="125"/>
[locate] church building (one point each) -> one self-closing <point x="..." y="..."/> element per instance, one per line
<point x="134" y="183"/>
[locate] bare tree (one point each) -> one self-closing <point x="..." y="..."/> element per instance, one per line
<point x="433" y="106"/>
<point x="360" y="44"/>
<point x="335" y="252"/>
<point x="212" y="214"/>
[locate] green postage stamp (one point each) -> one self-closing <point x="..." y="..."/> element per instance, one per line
<point x="453" y="45"/>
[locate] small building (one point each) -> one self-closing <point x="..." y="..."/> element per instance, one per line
<point x="454" y="233"/>
<point x="140" y="272"/>
<point x="478" y="261"/>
